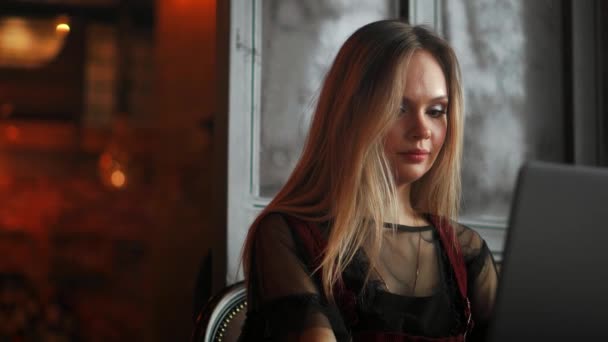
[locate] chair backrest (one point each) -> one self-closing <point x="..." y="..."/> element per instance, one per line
<point x="222" y="318"/>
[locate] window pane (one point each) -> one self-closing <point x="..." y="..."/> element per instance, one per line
<point x="300" y="40"/>
<point x="511" y="55"/>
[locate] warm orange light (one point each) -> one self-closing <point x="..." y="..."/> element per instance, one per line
<point x="62" y="28"/>
<point x="12" y="133"/>
<point x="105" y="161"/>
<point x="30" y="42"/>
<point x="118" y="178"/>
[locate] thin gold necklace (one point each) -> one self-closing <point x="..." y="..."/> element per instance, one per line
<point x="417" y="268"/>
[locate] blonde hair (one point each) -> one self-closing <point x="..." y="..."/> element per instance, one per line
<point x="343" y="175"/>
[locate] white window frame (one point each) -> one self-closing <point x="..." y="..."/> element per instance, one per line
<point x="243" y="128"/>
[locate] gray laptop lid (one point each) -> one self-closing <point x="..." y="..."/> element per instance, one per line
<point x="554" y="279"/>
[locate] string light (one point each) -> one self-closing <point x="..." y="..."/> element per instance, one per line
<point x="118" y="179"/>
<point x="62" y="28"/>
<point x="63" y="25"/>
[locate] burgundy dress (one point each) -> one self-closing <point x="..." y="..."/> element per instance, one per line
<point x="451" y="298"/>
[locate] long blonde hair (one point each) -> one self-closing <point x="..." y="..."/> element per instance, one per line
<point x="343" y="175"/>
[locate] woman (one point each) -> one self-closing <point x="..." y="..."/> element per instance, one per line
<point x="361" y="243"/>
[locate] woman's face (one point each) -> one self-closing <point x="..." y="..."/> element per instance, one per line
<point x="415" y="139"/>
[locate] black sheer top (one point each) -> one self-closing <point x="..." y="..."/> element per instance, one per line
<point x="412" y="288"/>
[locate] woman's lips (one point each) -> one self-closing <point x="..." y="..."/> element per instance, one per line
<point x="415" y="156"/>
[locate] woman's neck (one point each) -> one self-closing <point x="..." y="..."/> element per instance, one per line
<point x="406" y="214"/>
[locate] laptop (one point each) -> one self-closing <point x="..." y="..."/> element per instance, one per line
<point x="554" y="278"/>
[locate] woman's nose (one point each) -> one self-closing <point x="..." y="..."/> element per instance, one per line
<point x="420" y="127"/>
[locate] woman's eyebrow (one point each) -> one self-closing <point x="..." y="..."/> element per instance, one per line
<point x="440" y="98"/>
<point x="434" y="99"/>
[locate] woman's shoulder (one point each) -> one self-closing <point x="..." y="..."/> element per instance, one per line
<point x="468" y="238"/>
<point x="283" y="226"/>
<point x="471" y="242"/>
<point x="271" y="227"/>
<point x="272" y="221"/>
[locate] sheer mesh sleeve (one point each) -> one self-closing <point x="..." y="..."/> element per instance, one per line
<point x="482" y="276"/>
<point x="282" y="290"/>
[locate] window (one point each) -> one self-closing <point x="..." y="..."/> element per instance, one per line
<point x="518" y="79"/>
<point x="280" y="52"/>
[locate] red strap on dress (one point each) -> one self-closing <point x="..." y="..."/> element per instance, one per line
<point x="452" y="248"/>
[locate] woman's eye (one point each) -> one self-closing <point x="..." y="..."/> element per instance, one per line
<point x="402" y="109"/>
<point x="437" y="112"/>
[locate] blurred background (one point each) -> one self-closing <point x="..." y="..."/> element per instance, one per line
<point x="139" y="138"/>
<point x="106" y="129"/>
